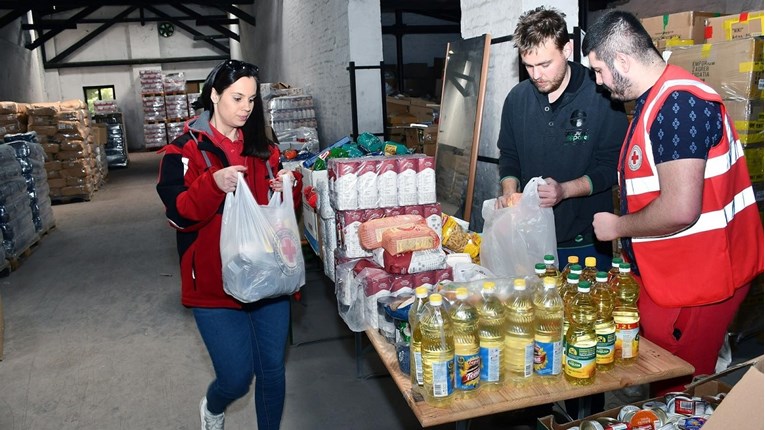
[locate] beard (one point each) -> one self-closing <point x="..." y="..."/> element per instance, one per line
<point x="620" y="87"/>
<point x="547" y="87"/>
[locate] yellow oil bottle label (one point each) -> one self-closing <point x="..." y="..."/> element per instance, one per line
<point x="580" y="361"/>
<point x="605" y="348"/>
<point x="627" y="340"/>
<point x="468" y="372"/>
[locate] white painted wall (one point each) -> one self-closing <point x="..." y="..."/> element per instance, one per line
<point x="309" y="45"/>
<point x="21" y="77"/>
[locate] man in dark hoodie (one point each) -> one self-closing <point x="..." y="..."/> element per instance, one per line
<point x="557" y="126"/>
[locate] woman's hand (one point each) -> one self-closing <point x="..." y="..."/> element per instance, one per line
<point x="276" y="183"/>
<point x="227" y="178"/>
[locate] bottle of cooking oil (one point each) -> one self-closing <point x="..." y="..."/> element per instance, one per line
<point x="572" y="259"/>
<point x="590" y="270"/>
<point x="491" y="337"/>
<point x="415" y="356"/>
<point x="581" y="340"/>
<point x="467" y="361"/>
<point x="550" y="269"/>
<point x="626" y="315"/>
<point x="519" y="333"/>
<point x="604" y="323"/>
<point x="548" y="331"/>
<point x="614" y="272"/>
<point x="540" y="269"/>
<point x="568" y="292"/>
<point x="437" y="352"/>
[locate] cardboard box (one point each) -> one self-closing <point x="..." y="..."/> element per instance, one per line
<point x="99" y="133"/>
<point x="742" y="407"/>
<point x="754" y="162"/>
<point x="311" y="229"/>
<point x="682" y="28"/>
<point x="733" y="68"/>
<point x="747" y="117"/>
<point x="731" y="27"/>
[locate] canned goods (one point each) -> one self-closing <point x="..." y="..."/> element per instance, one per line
<point x="645" y="419"/>
<point x="590" y="425"/>
<point x="627" y="410"/>
<point x="612" y="424"/>
<point x="689" y="406"/>
<point x="670" y="396"/>
<point x="691" y="423"/>
<point x="655" y="405"/>
<point x="668" y="426"/>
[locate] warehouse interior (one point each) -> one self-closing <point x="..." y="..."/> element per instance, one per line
<point x="95" y="336"/>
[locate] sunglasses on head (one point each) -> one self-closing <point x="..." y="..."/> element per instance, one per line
<point x="241" y="65"/>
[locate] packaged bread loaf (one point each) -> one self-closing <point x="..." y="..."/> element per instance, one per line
<point x="409" y="237"/>
<point x="370" y="232"/>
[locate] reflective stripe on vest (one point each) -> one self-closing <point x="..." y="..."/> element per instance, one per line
<point x="711" y="220"/>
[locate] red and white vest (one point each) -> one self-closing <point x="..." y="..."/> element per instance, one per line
<point x="723" y="249"/>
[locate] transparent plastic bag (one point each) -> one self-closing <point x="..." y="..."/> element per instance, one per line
<point x="260" y="246"/>
<point x="515" y="238"/>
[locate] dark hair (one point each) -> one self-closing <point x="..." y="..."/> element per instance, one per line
<point x="538" y="25"/>
<point x="254" y="130"/>
<point x="618" y="31"/>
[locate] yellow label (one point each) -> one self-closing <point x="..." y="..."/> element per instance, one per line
<point x="580" y="361"/>
<point x="754" y="162"/>
<point x="750" y="66"/>
<point x="742" y="125"/>
<point x="706" y="49"/>
<point x="679" y="42"/>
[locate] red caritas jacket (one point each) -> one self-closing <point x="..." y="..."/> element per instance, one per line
<point x="194" y="207"/>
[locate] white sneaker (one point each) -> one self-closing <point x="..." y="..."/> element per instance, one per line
<point x="209" y="421"/>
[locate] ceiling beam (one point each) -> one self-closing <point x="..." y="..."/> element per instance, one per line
<point x="50" y="34"/>
<point x="220" y="29"/>
<point x="239" y="13"/>
<point x="189" y="29"/>
<point x="80" y="43"/>
<point x="12" y="16"/>
<point x="134" y="61"/>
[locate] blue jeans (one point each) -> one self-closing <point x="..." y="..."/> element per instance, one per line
<point x="246" y="343"/>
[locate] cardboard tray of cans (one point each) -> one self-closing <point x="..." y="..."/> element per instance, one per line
<point x="708" y="403"/>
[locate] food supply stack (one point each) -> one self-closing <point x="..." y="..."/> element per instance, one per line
<point x="176" y="103"/>
<point x="153" y="101"/>
<point x="75" y="164"/>
<point x="31" y="158"/>
<point x="13" y="118"/>
<point x="386" y="234"/>
<point x="16" y="222"/>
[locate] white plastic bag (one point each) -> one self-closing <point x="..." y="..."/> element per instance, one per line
<point x="260" y="245"/>
<point x="517" y="237"/>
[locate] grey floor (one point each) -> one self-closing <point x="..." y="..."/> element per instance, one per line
<point x="96" y="338"/>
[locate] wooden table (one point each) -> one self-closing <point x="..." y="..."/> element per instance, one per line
<point x="653" y="364"/>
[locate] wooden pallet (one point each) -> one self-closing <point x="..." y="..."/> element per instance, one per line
<point x="15" y="262"/>
<point x="62" y="200"/>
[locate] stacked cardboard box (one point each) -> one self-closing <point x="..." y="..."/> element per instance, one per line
<point x="10" y="121"/>
<point x="731" y="27"/>
<point x="76" y="166"/>
<point x="735" y="70"/>
<point x="675" y="29"/>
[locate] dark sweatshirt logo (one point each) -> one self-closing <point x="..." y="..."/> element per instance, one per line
<point x="578" y="133"/>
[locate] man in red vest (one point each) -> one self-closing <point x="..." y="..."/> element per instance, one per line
<point x="689" y="222"/>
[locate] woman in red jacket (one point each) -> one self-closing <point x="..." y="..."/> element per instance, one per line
<point x="197" y="170"/>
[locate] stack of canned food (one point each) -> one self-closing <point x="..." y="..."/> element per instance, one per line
<point x="677" y="411"/>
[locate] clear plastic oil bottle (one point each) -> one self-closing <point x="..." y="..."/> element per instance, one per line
<point x="614" y="272"/>
<point x="548" y="331"/>
<point x="519" y="334"/>
<point x="467" y="360"/>
<point x="626" y="315"/>
<point x="590" y="270"/>
<point x="605" y="328"/>
<point x="415" y="355"/>
<point x="491" y="337"/>
<point x="581" y="340"/>
<point x="437" y="353"/>
<point x="550" y="269"/>
<point x="572" y="259"/>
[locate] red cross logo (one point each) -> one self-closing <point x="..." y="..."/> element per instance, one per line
<point x="288" y="250"/>
<point x="635" y="159"/>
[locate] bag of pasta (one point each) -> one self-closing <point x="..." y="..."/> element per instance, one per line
<point x="517" y="237"/>
<point x="458" y="239"/>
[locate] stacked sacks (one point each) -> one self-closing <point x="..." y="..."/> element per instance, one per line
<point x="15" y="211"/>
<point x="9" y="118"/>
<point x="76" y="166"/>
<point x="31" y="158"/>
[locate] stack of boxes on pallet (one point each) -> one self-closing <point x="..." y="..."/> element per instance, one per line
<point x="403" y="113"/>
<point x="76" y="165"/>
<point x="726" y="52"/>
<point x="166" y="106"/>
<point x="16" y="222"/>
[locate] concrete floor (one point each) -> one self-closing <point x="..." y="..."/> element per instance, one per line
<point x="96" y="337"/>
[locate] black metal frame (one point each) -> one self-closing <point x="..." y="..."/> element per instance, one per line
<point x="99" y="88"/>
<point x="352" y="68"/>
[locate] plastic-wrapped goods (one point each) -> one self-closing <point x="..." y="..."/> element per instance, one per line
<point x="177" y="106"/>
<point x="154" y="108"/>
<point x="31" y="158"/>
<point x="155" y="135"/>
<point x="174" y="129"/>
<point x="367" y="183"/>
<point x="16" y="221"/>
<point x="174" y="82"/>
<point x="116" y="143"/>
<point x="387" y="182"/>
<point x="151" y="81"/>
<point x="407" y="181"/>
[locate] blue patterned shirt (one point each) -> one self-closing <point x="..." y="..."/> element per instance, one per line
<point x="685" y="127"/>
